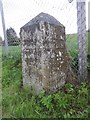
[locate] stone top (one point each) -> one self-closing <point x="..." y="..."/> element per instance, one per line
<point x="43" y="17"/>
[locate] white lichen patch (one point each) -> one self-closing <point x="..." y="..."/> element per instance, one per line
<point x="58" y="68"/>
<point x="25" y="56"/>
<point x="48" y="52"/>
<point x="28" y="56"/>
<point x="57" y="59"/>
<point x="62" y="62"/>
<point x="53" y="55"/>
<point x="60" y="54"/>
<point x="62" y="38"/>
<point x="32" y="56"/>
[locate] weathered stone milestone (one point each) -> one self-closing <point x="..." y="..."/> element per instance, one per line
<point x="45" y="62"/>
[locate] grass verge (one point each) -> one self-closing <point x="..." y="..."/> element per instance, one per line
<point x="70" y="102"/>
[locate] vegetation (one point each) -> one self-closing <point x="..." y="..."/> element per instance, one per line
<point x="13" y="51"/>
<point x="70" y="102"/>
<point x="13" y="40"/>
<point x="72" y="45"/>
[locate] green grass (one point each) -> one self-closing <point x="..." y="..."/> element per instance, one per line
<point x="70" y="102"/>
<point x="72" y="44"/>
<point x="12" y="51"/>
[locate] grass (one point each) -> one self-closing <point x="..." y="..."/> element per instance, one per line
<point x="70" y="102"/>
<point x="72" y="44"/>
<point x="12" y="51"/>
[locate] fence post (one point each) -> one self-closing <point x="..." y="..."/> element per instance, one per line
<point x="82" y="45"/>
<point x="4" y="28"/>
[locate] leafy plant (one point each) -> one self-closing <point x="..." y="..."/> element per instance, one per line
<point x="70" y="102"/>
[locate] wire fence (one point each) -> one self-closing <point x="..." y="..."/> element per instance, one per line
<point x="71" y="15"/>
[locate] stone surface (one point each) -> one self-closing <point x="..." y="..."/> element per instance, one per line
<point x="45" y="60"/>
